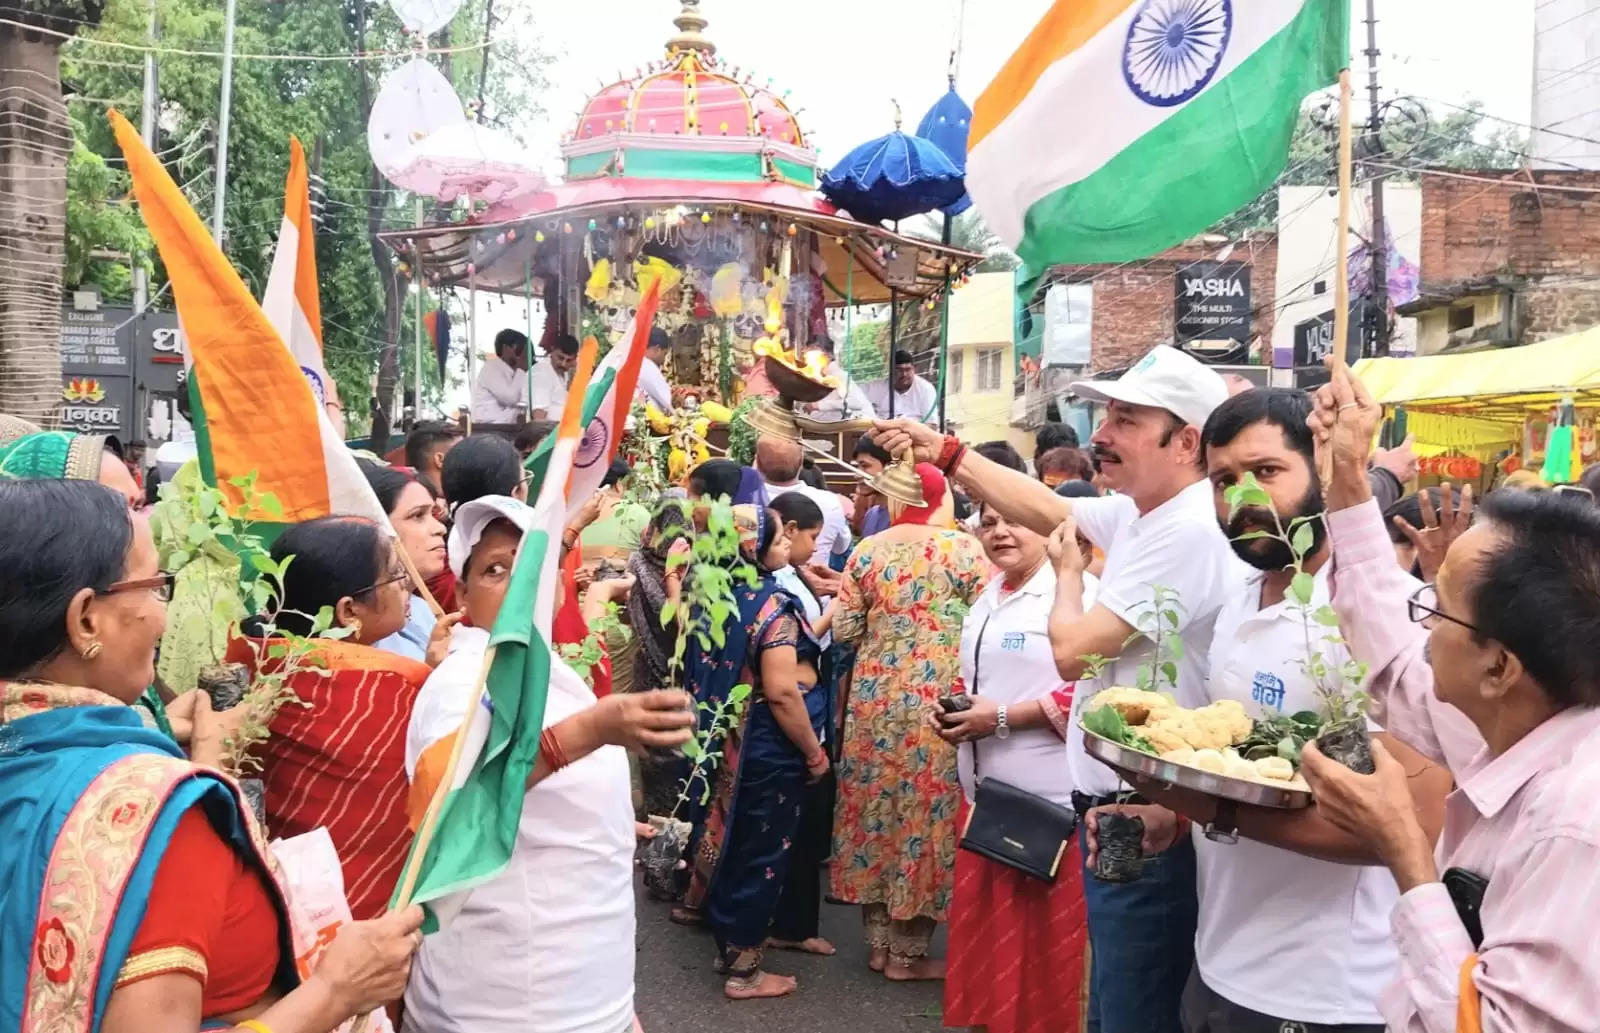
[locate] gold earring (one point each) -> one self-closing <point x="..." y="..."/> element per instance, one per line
<point x="93" y="650"/>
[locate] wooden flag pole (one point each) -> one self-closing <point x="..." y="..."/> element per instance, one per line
<point x="1341" y="250"/>
<point x="416" y="578"/>
<point x="1341" y="274"/>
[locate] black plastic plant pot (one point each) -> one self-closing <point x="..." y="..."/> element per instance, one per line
<point x="1350" y="745"/>
<point x="1121" y="852"/>
<point x="225" y="684"/>
<point x="660" y="859"/>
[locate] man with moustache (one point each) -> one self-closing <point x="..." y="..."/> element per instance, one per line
<point x="1159" y="530"/>
<point x="1283" y="941"/>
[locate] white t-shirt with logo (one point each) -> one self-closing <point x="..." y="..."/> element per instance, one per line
<point x="1178" y="546"/>
<point x="548" y="944"/>
<point x="1016" y="665"/>
<point x="1281" y="933"/>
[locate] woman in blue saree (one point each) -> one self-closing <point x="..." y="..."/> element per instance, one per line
<point x="136" y="892"/>
<point x="746" y="831"/>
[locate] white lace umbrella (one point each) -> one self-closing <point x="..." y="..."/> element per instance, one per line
<point x="466" y="160"/>
<point x="414" y="101"/>
<point x="425" y="16"/>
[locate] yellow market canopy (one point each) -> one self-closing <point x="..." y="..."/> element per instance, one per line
<point x="1500" y="386"/>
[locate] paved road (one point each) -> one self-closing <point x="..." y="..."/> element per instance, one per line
<point x="677" y="992"/>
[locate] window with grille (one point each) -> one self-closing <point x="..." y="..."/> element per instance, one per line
<point x="952" y="374"/>
<point x="989" y="368"/>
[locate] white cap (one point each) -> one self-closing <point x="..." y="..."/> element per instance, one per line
<point x="1166" y="378"/>
<point x="474" y="516"/>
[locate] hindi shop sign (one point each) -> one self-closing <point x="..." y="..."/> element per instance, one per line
<point x="1212" y="302"/>
<point x="97" y="371"/>
<point x="96" y="405"/>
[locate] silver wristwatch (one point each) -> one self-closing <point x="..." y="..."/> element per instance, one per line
<point x="1001" y="729"/>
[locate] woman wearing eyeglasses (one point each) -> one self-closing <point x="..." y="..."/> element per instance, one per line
<point x="337" y="757"/>
<point x="1492" y="671"/>
<point x="29" y="454"/>
<point x="137" y="892"/>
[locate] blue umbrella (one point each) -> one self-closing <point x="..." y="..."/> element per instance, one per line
<point x="945" y="126"/>
<point x="894" y="177"/>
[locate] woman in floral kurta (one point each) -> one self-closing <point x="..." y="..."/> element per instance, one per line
<point x="904" y="594"/>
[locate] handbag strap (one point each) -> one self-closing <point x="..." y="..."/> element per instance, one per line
<point x="972" y="690"/>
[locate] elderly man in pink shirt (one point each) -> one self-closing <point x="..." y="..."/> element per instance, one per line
<point x="1495" y="672"/>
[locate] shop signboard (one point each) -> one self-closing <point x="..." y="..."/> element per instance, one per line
<point x="1212" y="305"/>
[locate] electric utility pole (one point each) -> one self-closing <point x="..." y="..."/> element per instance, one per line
<point x="147" y="130"/>
<point x="1378" y="329"/>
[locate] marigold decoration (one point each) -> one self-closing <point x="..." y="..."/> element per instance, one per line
<point x="599" y="284"/>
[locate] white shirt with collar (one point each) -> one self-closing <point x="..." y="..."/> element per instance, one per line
<point x="653" y="385"/>
<point x="920" y="402"/>
<point x="834" y="539"/>
<point x="547" y="944"/>
<point x="1178" y="546"/>
<point x="1280" y="933"/>
<point x="1006" y="658"/>
<point x="549" y="389"/>
<point x="500" y="392"/>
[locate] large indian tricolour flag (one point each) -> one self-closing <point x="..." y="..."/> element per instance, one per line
<point x="1123" y="127"/>
<point x="291" y="300"/>
<point x="470" y="782"/>
<point x="256" y="415"/>
<point x="606" y="405"/>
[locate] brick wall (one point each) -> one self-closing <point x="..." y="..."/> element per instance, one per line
<point x="1134" y="301"/>
<point x="1473" y="228"/>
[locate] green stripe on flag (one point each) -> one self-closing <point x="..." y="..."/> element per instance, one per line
<point x="477" y="825"/>
<point x="1207" y="161"/>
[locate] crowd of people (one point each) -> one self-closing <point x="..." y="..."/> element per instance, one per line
<point x="890" y="659"/>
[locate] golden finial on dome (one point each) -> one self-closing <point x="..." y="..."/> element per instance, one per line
<point x="691" y="30"/>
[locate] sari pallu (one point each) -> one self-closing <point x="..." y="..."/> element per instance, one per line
<point x="336" y="759"/>
<point x="746" y="833"/>
<point x="89" y="802"/>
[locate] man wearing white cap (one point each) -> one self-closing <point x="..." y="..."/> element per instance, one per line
<point x="505" y="958"/>
<point x="1160" y="529"/>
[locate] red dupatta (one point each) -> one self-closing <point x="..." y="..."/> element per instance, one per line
<point x="338" y="761"/>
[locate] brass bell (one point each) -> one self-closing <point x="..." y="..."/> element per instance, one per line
<point x="899" y="481"/>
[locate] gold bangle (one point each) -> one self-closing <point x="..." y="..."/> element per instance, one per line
<point x="255" y="1025"/>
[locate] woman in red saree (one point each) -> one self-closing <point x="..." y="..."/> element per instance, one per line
<point x="337" y="757"/>
<point x="136" y="891"/>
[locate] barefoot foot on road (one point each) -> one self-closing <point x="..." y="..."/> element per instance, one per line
<point x="913" y="971"/>
<point x="813" y="945"/>
<point x="764" y="984"/>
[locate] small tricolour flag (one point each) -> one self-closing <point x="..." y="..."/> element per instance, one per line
<point x="255" y="413"/>
<point x="290" y="300"/>
<point x="606" y="405"/>
<point x="469" y="785"/>
<point x="1122" y="127"/>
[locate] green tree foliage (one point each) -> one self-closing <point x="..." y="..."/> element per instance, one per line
<point x="1414" y="138"/>
<point x="105" y="235"/>
<point x="324" y="101"/>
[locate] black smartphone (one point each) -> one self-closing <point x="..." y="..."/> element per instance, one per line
<point x="1466" y="891"/>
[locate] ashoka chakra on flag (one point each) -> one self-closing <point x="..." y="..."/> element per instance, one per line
<point x="1174" y="47"/>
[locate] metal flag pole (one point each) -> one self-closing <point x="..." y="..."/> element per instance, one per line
<point x="219" y="191"/>
<point x="416" y="286"/>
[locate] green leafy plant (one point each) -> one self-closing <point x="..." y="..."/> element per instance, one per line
<point x="714" y="566"/>
<point x="222" y="565"/>
<point x="1158" y="621"/>
<point x="585" y="656"/>
<point x="1337" y="684"/>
